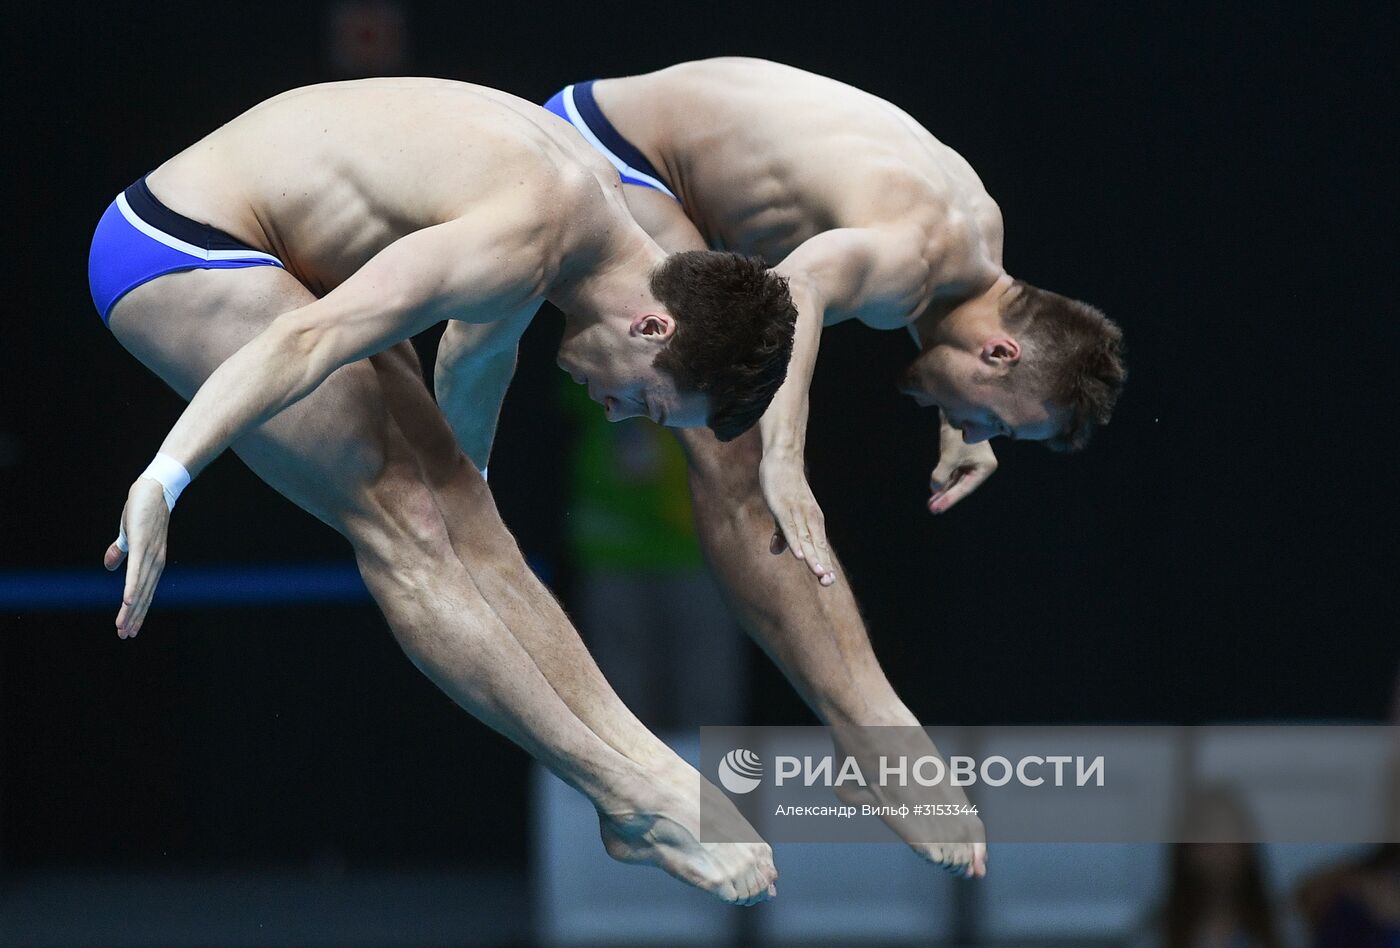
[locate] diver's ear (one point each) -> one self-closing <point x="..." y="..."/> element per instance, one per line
<point x="659" y="327"/>
<point x="1001" y="352"/>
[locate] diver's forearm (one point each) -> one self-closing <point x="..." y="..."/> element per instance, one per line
<point x="273" y="371"/>
<point x="784" y="424"/>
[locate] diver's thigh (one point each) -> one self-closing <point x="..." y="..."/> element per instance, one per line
<point x="320" y="453"/>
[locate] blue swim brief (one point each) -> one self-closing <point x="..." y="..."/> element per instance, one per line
<point x="575" y="105"/>
<point x="139" y="239"/>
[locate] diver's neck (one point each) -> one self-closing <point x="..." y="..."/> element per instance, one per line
<point x="945" y="315"/>
<point x="615" y="286"/>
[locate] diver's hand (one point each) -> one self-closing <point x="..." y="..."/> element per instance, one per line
<point x="144" y="523"/>
<point x="961" y="469"/>
<point x="799" y="524"/>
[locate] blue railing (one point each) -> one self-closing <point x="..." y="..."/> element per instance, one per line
<point x="267" y="584"/>
<point x="262" y="585"/>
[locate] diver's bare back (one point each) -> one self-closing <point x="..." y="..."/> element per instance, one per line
<point x="326" y="176"/>
<point x="765" y="156"/>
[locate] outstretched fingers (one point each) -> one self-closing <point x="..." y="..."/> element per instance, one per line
<point x="945" y="492"/>
<point x="803" y="531"/>
<point x="141" y="543"/>
<point x="800" y="526"/>
<point x="142" y="574"/>
<point x="961" y="484"/>
<point x="962" y="468"/>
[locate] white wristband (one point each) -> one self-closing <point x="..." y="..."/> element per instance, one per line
<point x="171" y="475"/>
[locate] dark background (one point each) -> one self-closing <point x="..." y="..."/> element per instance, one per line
<point x="1218" y="179"/>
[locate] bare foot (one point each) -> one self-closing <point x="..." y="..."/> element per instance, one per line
<point x="659" y="826"/>
<point x="957" y="842"/>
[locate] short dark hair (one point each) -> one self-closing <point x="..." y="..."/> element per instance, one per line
<point x="1075" y="359"/>
<point x="733" y="338"/>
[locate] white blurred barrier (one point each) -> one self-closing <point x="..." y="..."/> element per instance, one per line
<point x="1337" y="775"/>
<point x="856" y="894"/>
<point x="1081" y="890"/>
<point x="843" y="893"/>
<point x="865" y="893"/>
<point x="1068" y="891"/>
<point x="852" y="893"/>
<point x="1278" y="770"/>
<point x="586" y="898"/>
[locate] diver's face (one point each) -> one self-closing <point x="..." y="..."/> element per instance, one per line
<point x="619" y="372"/>
<point x="977" y="399"/>
<point x="652" y="394"/>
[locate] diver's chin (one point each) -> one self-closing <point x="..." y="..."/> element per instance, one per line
<point x="573" y="371"/>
